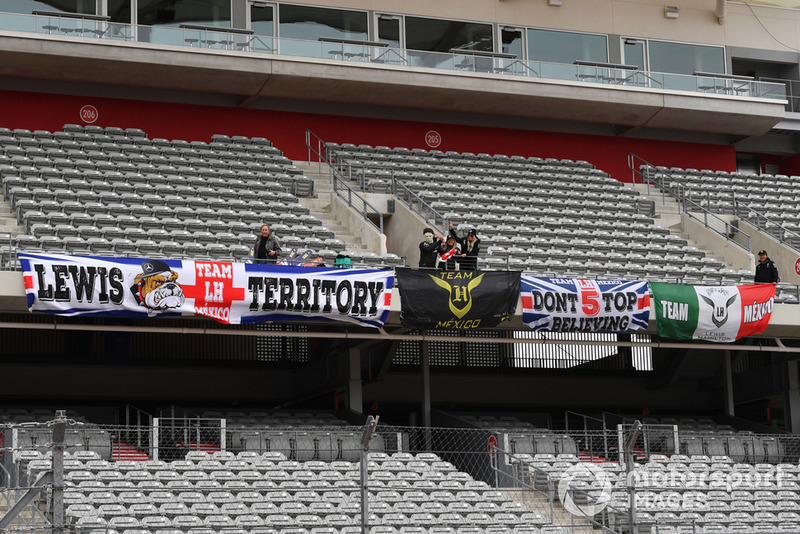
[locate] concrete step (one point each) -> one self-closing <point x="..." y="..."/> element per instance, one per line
<point x="320" y="205"/>
<point x="26" y="518"/>
<point x="540" y="503"/>
<point x="668" y="214"/>
<point x="8" y="220"/>
<point x="124" y="451"/>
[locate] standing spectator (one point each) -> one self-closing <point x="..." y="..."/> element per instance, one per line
<point x="429" y="248"/>
<point x="766" y="272"/>
<point x="266" y="248"/>
<point x="468" y="259"/>
<point x="448" y="252"/>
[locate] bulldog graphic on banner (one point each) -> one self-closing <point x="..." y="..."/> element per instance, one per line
<point x="157" y="287"/>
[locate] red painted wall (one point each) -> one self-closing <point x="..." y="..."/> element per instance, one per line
<point x="789" y="166"/>
<point x="287" y="131"/>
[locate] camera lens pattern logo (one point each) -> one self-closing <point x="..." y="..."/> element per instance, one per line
<point x="585" y="489"/>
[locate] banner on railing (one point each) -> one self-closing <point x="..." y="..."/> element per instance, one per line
<point x="712" y="313"/>
<point x="579" y="305"/>
<point x="231" y="293"/>
<point x="456" y="299"/>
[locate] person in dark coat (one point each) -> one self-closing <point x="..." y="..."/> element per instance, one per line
<point x="429" y="248"/>
<point x="266" y="248"/>
<point x="470" y="247"/>
<point x="766" y="272"/>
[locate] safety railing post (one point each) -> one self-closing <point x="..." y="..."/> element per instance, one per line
<point x="59" y="429"/>
<point x="154" y="439"/>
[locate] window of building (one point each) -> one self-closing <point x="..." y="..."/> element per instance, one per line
<point x="389" y="30"/>
<point x="262" y="19"/>
<point x="310" y="23"/>
<point x="120" y="11"/>
<point x="566" y="47"/>
<point x="673" y="58"/>
<point x="683" y="58"/>
<point x="177" y="12"/>
<point x="511" y="41"/>
<point x="634" y="53"/>
<point x="438" y="35"/>
<point x="86" y="7"/>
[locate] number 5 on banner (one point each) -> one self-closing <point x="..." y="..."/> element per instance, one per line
<point x="590" y="297"/>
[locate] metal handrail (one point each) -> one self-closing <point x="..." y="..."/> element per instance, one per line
<point x="419" y="205"/>
<point x="341" y="168"/>
<point x="138" y="426"/>
<point x="645" y="178"/>
<point x="585" y="419"/>
<point x="12" y="248"/>
<point x="523" y="470"/>
<point x="711" y="221"/>
<point x="687" y="205"/>
<point x="766" y="225"/>
<point x="345" y="192"/>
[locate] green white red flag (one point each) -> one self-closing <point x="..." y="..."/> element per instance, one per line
<point x="712" y="313"/>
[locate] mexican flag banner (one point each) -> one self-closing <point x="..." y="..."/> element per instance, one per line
<point x="712" y="313"/>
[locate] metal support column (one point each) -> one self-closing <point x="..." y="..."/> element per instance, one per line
<point x="728" y="375"/>
<point x="355" y="399"/>
<point x="631" y="482"/>
<point x="366" y="441"/>
<point x="792" y="399"/>
<point x="426" y="384"/>
<point x="59" y="430"/>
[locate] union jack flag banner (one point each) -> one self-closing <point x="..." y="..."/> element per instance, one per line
<point x="228" y="292"/>
<point x="580" y="305"/>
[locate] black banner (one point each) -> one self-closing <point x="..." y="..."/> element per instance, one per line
<point x="456" y="299"/>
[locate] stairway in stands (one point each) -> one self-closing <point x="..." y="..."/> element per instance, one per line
<point x="552" y="511"/>
<point x="8" y="220"/>
<point x="320" y="205"/>
<point x="204" y="446"/>
<point x="122" y="451"/>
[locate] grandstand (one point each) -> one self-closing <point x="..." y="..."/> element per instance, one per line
<point x="582" y="139"/>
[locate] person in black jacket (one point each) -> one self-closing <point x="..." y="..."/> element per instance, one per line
<point x="766" y="272"/>
<point x="470" y="246"/>
<point x="266" y="248"/>
<point x="429" y="249"/>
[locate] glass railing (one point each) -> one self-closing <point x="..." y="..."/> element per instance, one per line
<point x="792" y="92"/>
<point x="212" y="38"/>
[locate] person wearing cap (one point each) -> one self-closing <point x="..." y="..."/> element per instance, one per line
<point x="448" y="252"/>
<point x="470" y="246"/>
<point x="266" y="248"/>
<point x="429" y="248"/>
<point x="766" y="272"/>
